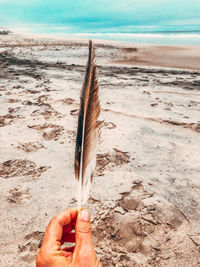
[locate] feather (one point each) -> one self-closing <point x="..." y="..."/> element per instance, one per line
<point x="88" y="130"/>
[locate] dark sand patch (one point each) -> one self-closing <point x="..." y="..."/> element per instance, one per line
<point x="17" y="195"/>
<point x="52" y="131"/>
<point x="68" y="101"/>
<point x="30" y="146"/>
<point x="9" y="119"/>
<point x="18" y="167"/>
<point x="110" y="160"/>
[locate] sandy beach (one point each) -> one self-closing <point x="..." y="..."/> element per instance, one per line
<point x="145" y="199"/>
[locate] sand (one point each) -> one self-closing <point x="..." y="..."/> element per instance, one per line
<point x="187" y="57"/>
<point x="145" y="200"/>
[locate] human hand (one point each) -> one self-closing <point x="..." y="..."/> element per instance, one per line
<point x="59" y="231"/>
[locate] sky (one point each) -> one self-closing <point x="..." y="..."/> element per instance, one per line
<point x="102" y="15"/>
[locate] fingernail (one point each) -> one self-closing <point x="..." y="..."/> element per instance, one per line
<point x="84" y="215"/>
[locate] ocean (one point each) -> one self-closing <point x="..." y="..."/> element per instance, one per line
<point x="167" y="22"/>
<point x="164" y="38"/>
<point x="187" y="37"/>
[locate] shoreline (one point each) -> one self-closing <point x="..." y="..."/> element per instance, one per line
<point x="142" y="55"/>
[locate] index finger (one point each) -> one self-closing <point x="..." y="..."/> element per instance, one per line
<point x="54" y="230"/>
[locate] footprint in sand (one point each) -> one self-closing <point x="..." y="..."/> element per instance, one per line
<point x="32" y="242"/>
<point x="52" y="134"/>
<point x="17" y="195"/>
<point x="68" y="101"/>
<point x="109" y="160"/>
<point x="52" y="131"/>
<point x="8" y="119"/>
<point x="30" y="146"/>
<point x="13" y="110"/>
<point x="109" y="125"/>
<point x="12" y="100"/>
<point x="18" y="167"/>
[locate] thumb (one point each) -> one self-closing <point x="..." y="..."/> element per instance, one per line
<point x="84" y="252"/>
<point x="83" y="229"/>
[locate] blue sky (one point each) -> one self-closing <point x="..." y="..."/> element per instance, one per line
<point x="102" y="15"/>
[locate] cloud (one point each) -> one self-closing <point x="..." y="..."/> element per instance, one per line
<point x="99" y="14"/>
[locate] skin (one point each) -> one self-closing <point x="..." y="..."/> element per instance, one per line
<point x="59" y="231"/>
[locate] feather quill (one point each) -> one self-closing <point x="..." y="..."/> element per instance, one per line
<point x="88" y="130"/>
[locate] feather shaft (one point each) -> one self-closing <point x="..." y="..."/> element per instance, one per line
<point x="88" y="130"/>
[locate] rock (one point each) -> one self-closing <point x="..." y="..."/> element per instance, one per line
<point x="4" y="31"/>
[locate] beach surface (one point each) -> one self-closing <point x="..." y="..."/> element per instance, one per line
<point x="145" y="199"/>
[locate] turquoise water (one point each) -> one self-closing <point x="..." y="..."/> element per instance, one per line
<point x="149" y="38"/>
<point x="172" y="22"/>
<point x="166" y="37"/>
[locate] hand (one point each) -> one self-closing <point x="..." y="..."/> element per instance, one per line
<point x="59" y="231"/>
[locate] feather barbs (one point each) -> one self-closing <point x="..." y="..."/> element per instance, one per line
<point x="88" y="129"/>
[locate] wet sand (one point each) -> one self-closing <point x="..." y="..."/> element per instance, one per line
<point x="145" y="200"/>
<point x="185" y="57"/>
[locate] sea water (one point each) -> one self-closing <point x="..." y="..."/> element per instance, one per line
<point x="191" y="37"/>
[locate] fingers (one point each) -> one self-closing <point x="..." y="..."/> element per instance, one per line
<point x="84" y="251"/>
<point x="54" y="231"/>
<point x="67" y="217"/>
<point x="59" y="231"/>
<point x="83" y="227"/>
